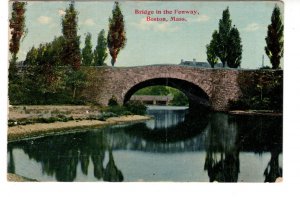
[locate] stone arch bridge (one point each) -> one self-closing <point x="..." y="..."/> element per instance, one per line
<point x="213" y="87"/>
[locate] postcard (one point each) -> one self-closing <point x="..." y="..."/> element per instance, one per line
<point x="145" y="91"/>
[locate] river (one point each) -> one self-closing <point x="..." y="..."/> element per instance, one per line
<point x="174" y="146"/>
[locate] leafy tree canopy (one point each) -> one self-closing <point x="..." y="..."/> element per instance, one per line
<point x="274" y="39"/>
<point x="116" y="38"/>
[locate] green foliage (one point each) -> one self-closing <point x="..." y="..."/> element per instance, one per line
<point x="131" y="107"/>
<point x="116" y="38"/>
<point x="113" y="101"/>
<point x="235" y="49"/>
<point x="75" y="80"/>
<point x="87" y="53"/>
<point x="260" y="91"/>
<point x="154" y="90"/>
<point x="46" y="80"/>
<point x="225" y="44"/>
<point x="114" y="111"/>
<point x="179" y="99"/>
<point x="44" y="76"/>
<point x="136" y="107"/>
<point x="211" y="50"/>
<point x="274" y="39"/>
<point x="100" y="53"/>
<point x="223" y="36"/>
<point x="71" y="50"/>
<point x="58" y="118"/>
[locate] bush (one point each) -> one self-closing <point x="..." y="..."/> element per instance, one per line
<point x="180" y="99"/>
<point x="59" y="118"/>
<point x="262" y="90"/>
<point x="113" y="101"/>
<point x="136" y="107"/>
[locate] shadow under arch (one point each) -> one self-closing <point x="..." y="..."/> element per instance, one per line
<point x="194" y="93"/>
<point x="193" y="125"/>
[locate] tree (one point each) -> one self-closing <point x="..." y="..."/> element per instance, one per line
<point x="71" y="52"/>
<point x="234" y="49"/>
<point x="44" y="77"/>
<point x="225" y="44"/>
<point x="274" y="39"/>
<point x="17" y="24"/>
<point x="116" y="38"/>
<point x="223" y="36"/>
<point x="211" y="50"/>
<point x="87" y="53"/>
<point x="100" y="53"/>
<point x="75" y="80"/>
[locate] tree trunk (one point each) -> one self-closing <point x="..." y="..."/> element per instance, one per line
<point x="74" y="93"/>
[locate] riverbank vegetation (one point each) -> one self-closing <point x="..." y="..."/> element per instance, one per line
<point x="24" y="115"/>
<point x="260" y="92"/>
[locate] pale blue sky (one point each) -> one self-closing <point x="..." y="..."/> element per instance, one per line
<point x="156" y="42"/>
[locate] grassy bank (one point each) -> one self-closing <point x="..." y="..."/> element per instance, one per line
<point x="44" y="129"/>
<point x="36" y="120"/>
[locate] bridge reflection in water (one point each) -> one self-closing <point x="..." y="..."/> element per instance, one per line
<point x="91" y="155"/>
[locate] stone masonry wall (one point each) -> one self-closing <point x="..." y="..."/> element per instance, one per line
<point x="220" y="85"/>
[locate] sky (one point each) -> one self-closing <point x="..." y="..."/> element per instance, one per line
<point x="156" y="42"/>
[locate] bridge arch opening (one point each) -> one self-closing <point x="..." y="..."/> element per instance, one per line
<point x="195" y="94"/>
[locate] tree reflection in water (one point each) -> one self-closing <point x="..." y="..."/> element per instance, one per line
<point x="228" y="135"/>
<point x="262" y="134"/>
<point x="60" y="156"/>
<point x="11" y="162"/>
<point x="222" y="155"/>
<point x="222" y="136"/>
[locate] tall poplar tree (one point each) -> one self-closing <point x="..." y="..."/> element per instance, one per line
<point x="274" y="39"/>
<point x="71" y="52"/>
<point x="235" y="49"/>
<point x="116" y="38"/>
<point x="87" y="52"/>
<point x="100" y="53"/>
<point x="225" y="43"/>
<point x="17" y="26"/>
<point x="223" y="36"/>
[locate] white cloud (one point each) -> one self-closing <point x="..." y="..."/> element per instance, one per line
<point x="89" y="22"/>
<point x="61" y="12"/>
<point x="252" y="27"/>
<point x="155" y="26"/>
<point x="44" y="20"/>
<point x="200" y="18"/>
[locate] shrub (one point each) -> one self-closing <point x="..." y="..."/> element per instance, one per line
<point x="136" y="107"/>
<point x="113" y="101"/>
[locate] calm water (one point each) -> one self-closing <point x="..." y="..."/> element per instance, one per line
<point x="174" y="146"/>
